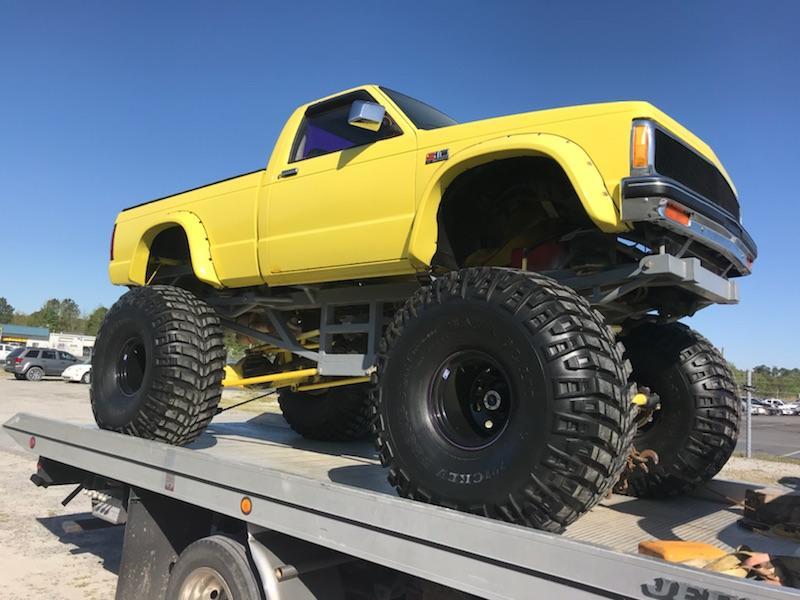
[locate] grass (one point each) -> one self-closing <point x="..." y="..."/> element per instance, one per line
<point x="771" y="458"/>
<point x="259" y="405"/>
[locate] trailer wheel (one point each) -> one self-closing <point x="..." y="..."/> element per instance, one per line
<point x="502" y="393"/>
<point x="158" y="365"/>
<point x="213" y="567"/>
<point x="694" y="432"/>
<point x="336" y="414"/>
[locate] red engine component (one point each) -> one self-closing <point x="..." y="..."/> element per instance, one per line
<point x="544" y="257"/>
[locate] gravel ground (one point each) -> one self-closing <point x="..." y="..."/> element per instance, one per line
<point x="39" y="559"/>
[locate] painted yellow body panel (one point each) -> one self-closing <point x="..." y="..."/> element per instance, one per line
<point x="371" y="211"/>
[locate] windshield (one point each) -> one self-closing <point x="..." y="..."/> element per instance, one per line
<point x="422" y="115"/>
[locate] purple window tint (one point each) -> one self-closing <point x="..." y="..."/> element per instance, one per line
<point x="319" y="141"/>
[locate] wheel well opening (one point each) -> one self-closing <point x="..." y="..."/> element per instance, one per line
<point x="500" y="212"/>
<point x="170" y="258"/>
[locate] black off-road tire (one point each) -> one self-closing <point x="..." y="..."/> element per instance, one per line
<point x="86" y="377"/>
<point x="158" y="365"/>
<point x="336" y="414"/>
<point x="694" y="432"/>
<point x="219" y="556"/>
<point x="569" y="419"/>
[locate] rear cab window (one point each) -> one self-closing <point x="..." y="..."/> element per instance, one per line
<point x="324" y="128"/>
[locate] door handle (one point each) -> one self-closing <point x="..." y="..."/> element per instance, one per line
<point x="287" y="173"/>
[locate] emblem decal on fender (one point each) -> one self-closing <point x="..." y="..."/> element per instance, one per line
<point x="439" y="155"/>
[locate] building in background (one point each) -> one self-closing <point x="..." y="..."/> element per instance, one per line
<point x="78" y="345"/>
<point x="38" y="337"/>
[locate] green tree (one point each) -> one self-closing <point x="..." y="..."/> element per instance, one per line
<point x="69" y="316"/>
<point x="94" y="320"/>
<point x="49" y="315"/>
<point x="6" y="311"/>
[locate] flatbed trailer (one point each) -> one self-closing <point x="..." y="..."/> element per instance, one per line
<point x="309" y="511"/>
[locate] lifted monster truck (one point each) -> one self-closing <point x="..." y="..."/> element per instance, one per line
<point x="460" y="291"/>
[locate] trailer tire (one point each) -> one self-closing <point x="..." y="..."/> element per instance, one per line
<point x="541" y="360"/>
<point x="694" y="432"/>
<point x="335" y="414"/>
<point x="158" y="365"/>
<point x="214" y="567"/>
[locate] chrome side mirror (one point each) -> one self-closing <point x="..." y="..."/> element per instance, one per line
<point x="366" y="115"/>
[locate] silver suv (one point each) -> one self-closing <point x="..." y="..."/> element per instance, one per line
<point x="34" y="364"/>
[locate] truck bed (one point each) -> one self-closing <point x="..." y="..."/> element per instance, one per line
<point x="336" y="495"/>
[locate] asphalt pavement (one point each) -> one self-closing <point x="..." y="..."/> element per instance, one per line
<point x="773" y="435"/>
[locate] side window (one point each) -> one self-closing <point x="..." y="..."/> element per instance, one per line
<point x="325" y="129"/>
<point x="48" y="354"/>
<point x="65" y="356"/>
<point x="32" y="354"/>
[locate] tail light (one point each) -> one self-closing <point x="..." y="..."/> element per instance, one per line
<point x="111" y="247"/>
<point x="17" y="360"/>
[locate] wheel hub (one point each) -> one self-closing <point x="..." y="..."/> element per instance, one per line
<point x="131" y="365"/>
<point x="204" y="583"/>
<point x="470" y="400"/>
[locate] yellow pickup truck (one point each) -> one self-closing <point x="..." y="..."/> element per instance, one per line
<point x="495" y="302"/>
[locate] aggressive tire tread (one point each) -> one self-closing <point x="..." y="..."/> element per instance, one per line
<point x="592" y="424"/>
<point x="340" y="414"/>
<point x="189" y="358"/>
<point x="715" y="406"/>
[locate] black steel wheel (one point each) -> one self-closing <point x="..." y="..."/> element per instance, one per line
<point x="502" y="393"/>
<point x="213" y="568"/>
<point x="158" y="365"/>
<point x="695" y="430"/>
<point x="335" y="414"/>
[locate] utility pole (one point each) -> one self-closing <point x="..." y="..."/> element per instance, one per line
<point x="749" y="416"/>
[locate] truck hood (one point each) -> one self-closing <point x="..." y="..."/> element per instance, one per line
<point x="543" y="120"/>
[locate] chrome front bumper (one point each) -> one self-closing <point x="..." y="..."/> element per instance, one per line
<point x="646" y="199"/>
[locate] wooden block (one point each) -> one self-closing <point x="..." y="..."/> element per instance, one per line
<point x="771" y="507"/>
<point x="680" y="551"/>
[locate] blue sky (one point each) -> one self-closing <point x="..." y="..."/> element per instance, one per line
<point x="107" y="104"/>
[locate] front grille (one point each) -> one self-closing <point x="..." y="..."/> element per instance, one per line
<point x="675" y="160"/>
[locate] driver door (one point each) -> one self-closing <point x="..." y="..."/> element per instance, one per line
<point x="344" y="195"/>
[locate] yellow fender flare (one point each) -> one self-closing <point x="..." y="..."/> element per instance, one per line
<point x="576" y="163"/>
<point x="199" y="248"/>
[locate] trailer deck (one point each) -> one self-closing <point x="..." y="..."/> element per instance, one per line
<point x="336" y="496"/>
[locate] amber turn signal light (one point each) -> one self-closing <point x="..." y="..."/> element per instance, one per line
<point x="246" y="505"/>
<point x="673" y="213"/>
<point x="641" y="146"/>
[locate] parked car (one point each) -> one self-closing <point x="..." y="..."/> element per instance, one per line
<point x="81" y="372"/>
<point x="5" y="350"/>
<point x="780" y="406"/>
<point x="34" y="364"/>
<point x="764" y="408"/>
<point x="13" y="354"/>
